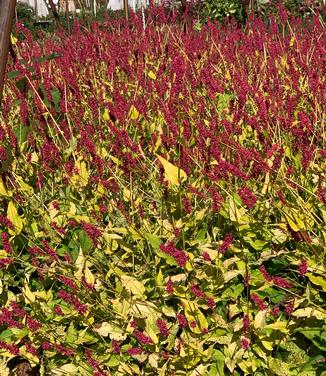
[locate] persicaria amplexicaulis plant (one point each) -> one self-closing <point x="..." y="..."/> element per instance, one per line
<point x="162" y="198"/>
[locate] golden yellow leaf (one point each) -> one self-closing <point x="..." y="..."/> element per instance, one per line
<point x="278" y="325"/>
<point x="173" y="174"/>
<point x="13" y="39"/>
<point x="14" y="217"/>
<point x="107" y="329"/>
<point x="3" y="190"/>
<point x="193" y="313"/>
<point x="134" y="286"/>
<point x="81" y="178"/>
<point x="309" y="312"/>
<point x="152" y="75"/>
<point x="106" y="115"/>
<point x="29" y="296"/>
<point x="89" y="277"/>
<point x="133" y="113"/>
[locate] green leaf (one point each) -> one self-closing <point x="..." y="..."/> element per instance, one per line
<point x="13" y="74"/>
<point x="153" y="240"/>
<point x="114" y="361"/>
<point x="218" y="365"/>
<point x="20" y="333"/>
<point x="223" y="102"/>
<point x="56" y="97"/>
<point x="316" y="335"/>
<point x="5" y="334"/>
<point x="85" y="241"/>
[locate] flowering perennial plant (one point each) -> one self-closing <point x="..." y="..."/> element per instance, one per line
<point x="163" y="199"/>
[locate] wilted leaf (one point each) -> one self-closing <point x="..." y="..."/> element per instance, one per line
<point x="259" y="322"/>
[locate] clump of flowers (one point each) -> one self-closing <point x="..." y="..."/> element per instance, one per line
<point x="162" y="196"/>
<point x="179" y="255"/>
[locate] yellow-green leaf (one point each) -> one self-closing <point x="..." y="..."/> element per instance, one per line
<point x="151" y="328"/>
<point x="309" y="312"/>
<point x="106" y="115"/>
<point x="294" y="220"/>
<point x="259" y="322"/>
<point x="237" y="214"/>
<point x="65" y="370"/>
<point x="107" y="329"/>
<point x="317" y="280"/>
<point x="3" y="190"/>
<point x="133" y="113"/>
<point x="29" y="296"/>
<point x="14" y="217"/>
<point x="134" y="286"/>
<point x="173" y="174"/>
<point x="89" y="277"/>
<point x="193" y="313"/>
<point x="278" y="325"/>
<point x="268" y="344"/>
<point x="152" y="75"/>
<point x="81" y="178"/>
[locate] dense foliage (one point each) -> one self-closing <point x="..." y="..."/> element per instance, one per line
<point x="163" y="200"/>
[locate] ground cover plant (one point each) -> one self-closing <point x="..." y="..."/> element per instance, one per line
<point x="163" y="200"/>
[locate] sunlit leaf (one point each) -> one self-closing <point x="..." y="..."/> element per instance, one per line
<point x="173" y="174"/>
<point x="15" y="218"/>
<point x="317" y="280"/>
<point x="134" y="286"/>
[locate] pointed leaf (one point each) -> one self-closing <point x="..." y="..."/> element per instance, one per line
<point x="172" y="173"/>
